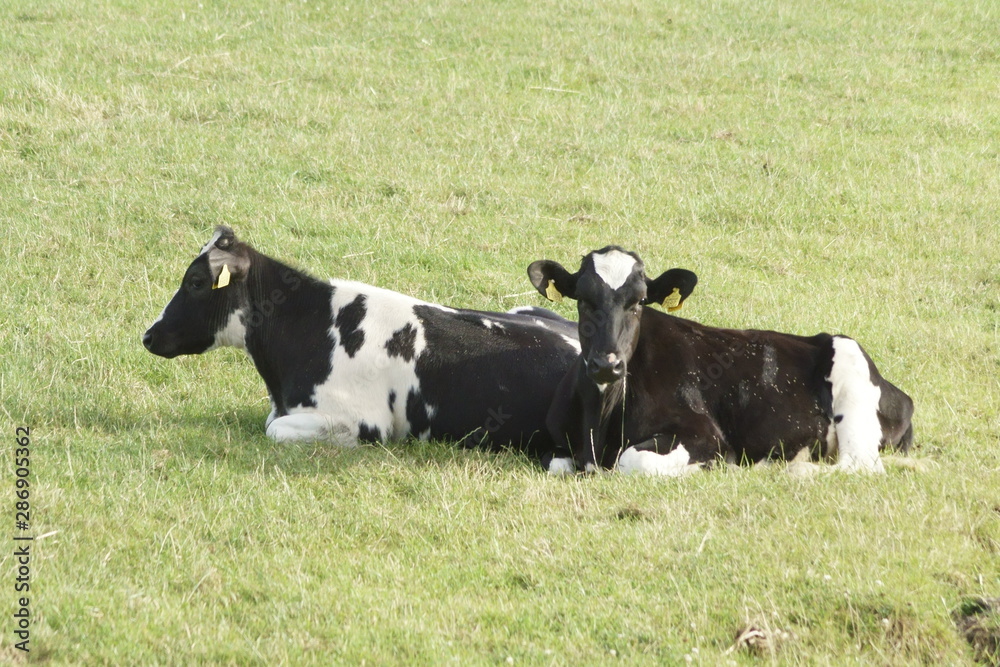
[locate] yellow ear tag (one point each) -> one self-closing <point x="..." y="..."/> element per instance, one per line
<point x="551" y="293"/>
<point x="223" y="278"/>
<point x="673" y="300"/>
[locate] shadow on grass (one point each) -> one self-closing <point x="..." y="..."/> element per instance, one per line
<point x="237" y="438"/>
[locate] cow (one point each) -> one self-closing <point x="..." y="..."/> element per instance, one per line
<point x="348" y="362"/>
<point x="656" y="394"/>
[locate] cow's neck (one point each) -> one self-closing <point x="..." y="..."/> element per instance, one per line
<point x="286" y="336"/>
<point x="601" y="406"/>
<point x="616" y="402"/>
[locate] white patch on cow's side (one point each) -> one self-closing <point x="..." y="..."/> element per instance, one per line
<point x="770" y="372"/>
<point x="233" y="334"/>
<point x="561" y="467"/>
<point x="489" y="324"/>
<point x="310" y="426"/>
<point x="358" y="387"/>
<point x="572" y="342"/>
<point x="614" y="267"/>
<point x="855" y="404"/>
<point x="642" y="462"/>
<point x="743" y="394"/>
<point x="692" y="396"/>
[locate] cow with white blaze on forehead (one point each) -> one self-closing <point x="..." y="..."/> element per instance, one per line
<point x="652" y="393"/>
<point x="349" y="362"/>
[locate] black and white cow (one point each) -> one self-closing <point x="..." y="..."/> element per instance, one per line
<point x="349" y="362"/>
<point x="657" y="394"/>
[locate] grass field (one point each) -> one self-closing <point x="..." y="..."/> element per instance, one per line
<point x="823" y="166"/>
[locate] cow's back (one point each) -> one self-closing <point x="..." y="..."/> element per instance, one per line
<point x="489" y="378"/>
<point x="763" y="391"/>
<point x="769" y="393"/>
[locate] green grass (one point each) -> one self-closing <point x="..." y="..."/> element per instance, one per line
<point x="828" y="166"/>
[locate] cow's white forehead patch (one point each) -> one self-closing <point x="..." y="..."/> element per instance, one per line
<point x="614" y="267"/>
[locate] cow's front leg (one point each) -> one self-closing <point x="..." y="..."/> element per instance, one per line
<point x="673" y="454"/>
<point x="575" y="425"/>
<point x="588" y="444"/>
<point x="558" y="464"/>
<point x="638" y="460"/>
<point x="310" y="426"/>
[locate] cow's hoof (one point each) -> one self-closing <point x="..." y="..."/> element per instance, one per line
<point x="803" y="469"/>
<point x="561" y="467"/>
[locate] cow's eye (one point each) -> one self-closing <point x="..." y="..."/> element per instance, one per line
<point x="197" y="284"/>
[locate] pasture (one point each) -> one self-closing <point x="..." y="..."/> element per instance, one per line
<point x="822" y="166"/>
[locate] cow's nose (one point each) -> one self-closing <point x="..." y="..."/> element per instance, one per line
<point x="147" y="339"/>
<point x="606" y="368"/>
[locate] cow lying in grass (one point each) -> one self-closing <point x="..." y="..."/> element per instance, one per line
<point x="657" y="394"/>
<point x="349" y="362"/>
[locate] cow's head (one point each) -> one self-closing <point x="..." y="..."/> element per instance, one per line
<point x="207" y="310"/>
<point x="610" y="289"/>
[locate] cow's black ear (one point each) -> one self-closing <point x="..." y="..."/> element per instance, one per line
<point x="229" y="260"/>
<point x="671" y="288"/>
<point x="551" y="280"/>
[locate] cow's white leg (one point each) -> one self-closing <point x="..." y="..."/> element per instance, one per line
<point x="642" y="462"/>
<point x="801" y="464"/>
<point x="564" y="466"/>
<point x="855" y="409"/>
<point x="309" y="426"/>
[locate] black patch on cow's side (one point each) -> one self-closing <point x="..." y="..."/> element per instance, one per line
<point x="367" y="433"/>
<point x="416" y="412"/>
<point x="402" y="343"/>
<point x="392" y="401"/>
<point x="497" y="381"/>
<point x="349" y="319"/>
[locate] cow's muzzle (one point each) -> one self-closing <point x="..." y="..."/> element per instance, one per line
<point x="158" y="344"/>
<point x="605" y="368"/>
